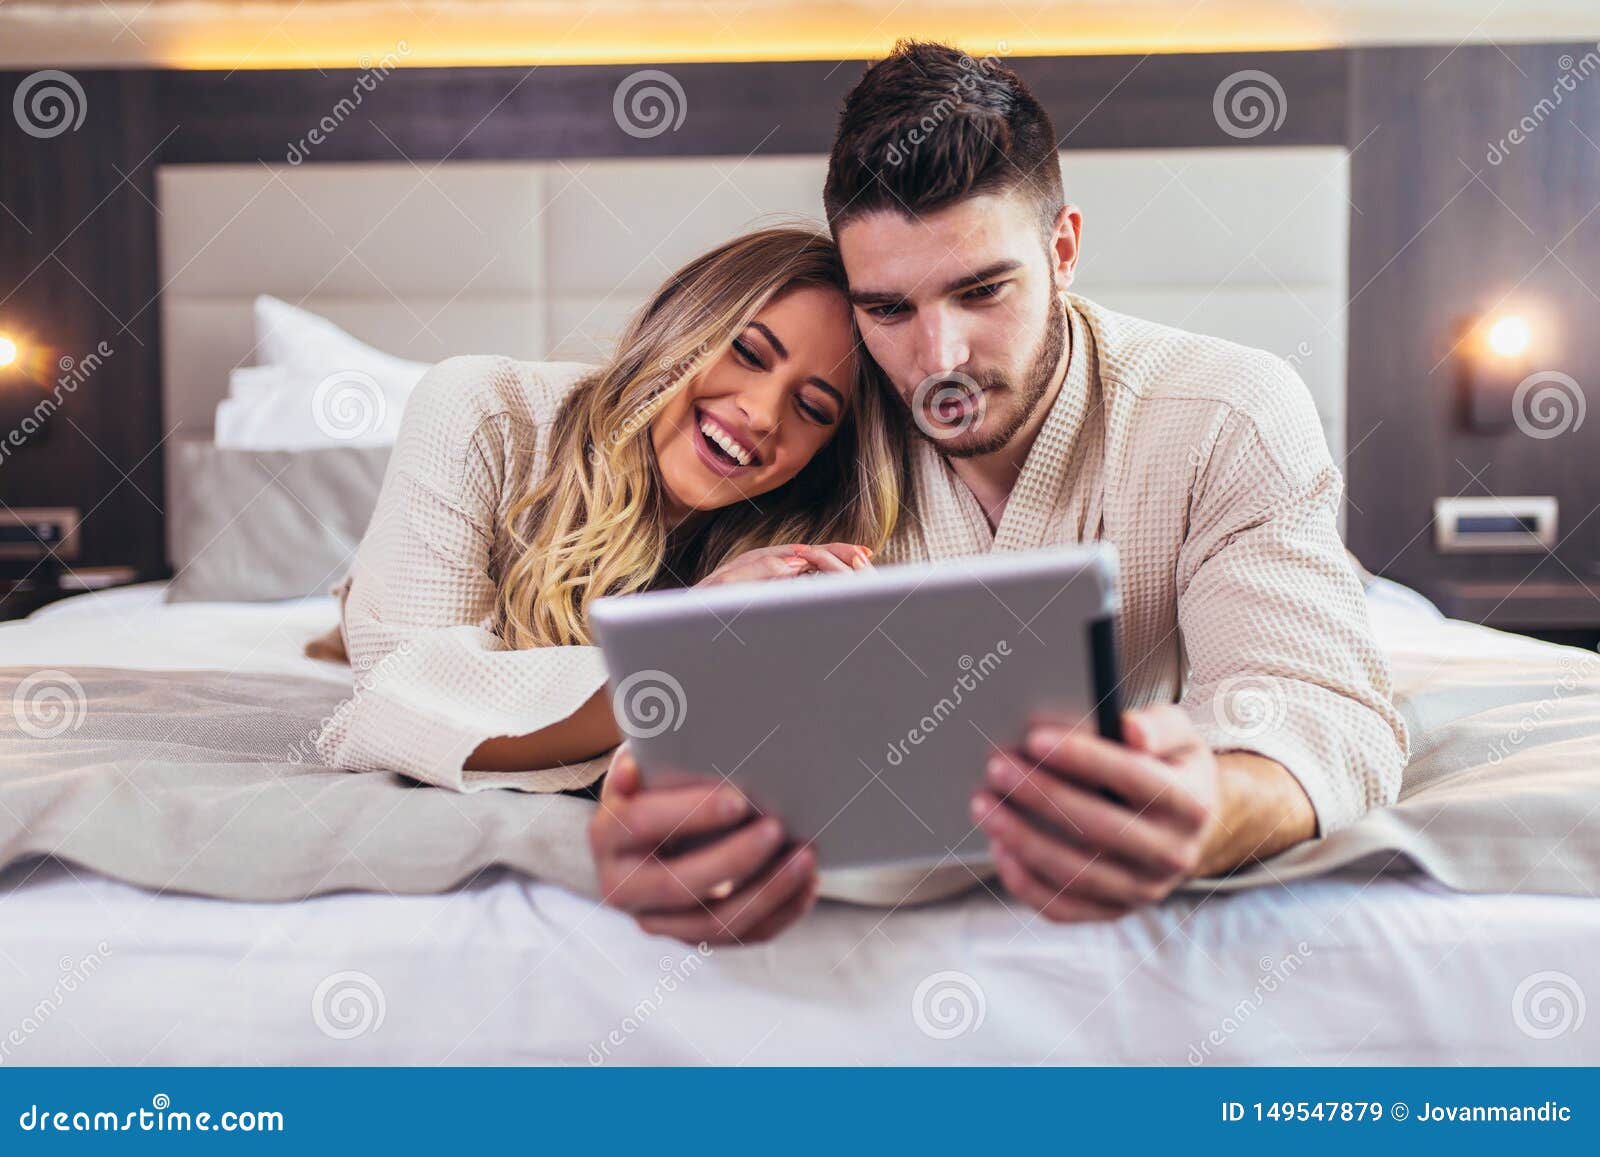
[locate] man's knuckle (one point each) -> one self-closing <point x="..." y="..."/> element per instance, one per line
<point x="1159" y="890"/>
<point x="1174" y="859"/>
<point x="1062" y="911"/>
<point x="1141" y="892"/>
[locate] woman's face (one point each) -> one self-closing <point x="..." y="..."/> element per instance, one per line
<point x="758" y="413"/>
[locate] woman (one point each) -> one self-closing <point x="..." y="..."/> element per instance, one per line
<point x="739" y="432"/>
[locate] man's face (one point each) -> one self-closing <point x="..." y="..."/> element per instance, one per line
<point x="963" y="309"/>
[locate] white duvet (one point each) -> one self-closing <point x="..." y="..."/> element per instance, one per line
<point x="1392" y="971"/>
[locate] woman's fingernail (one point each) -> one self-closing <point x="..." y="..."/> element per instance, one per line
<point x="733" y="805"/>
<point x="858" y="563"/>
<point x="979" y="809"/>
<point x="1003" y="774"/>
<point x="1044" y="740"/>
<point x="770" y="830"/>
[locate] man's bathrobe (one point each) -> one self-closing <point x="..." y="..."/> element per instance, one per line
<point x="1201" y="460"/>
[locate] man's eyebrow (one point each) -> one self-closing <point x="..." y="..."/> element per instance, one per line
<point x="783" y="351"/>
<point x="977" y="277"/>
<point x="988" y="273"/>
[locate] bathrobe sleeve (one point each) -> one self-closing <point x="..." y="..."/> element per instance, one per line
<point x="1282" y="660"/>
<point x="432" y="677"/>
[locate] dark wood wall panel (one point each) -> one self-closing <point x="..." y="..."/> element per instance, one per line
<point x="730" y="109"/>
<point x="1443" y="234"/>
<point x="77" y="268"/>
<point x="1110" y="102"/>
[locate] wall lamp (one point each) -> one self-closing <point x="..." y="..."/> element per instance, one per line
<point x="1493" y="358"/>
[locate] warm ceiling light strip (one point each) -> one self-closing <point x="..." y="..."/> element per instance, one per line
<point x="340" y="36"/>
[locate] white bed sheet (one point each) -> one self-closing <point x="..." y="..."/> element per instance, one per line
<point x="1395" y="971"/>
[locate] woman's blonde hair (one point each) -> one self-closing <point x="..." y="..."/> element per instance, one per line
<point x="594" y="525"/>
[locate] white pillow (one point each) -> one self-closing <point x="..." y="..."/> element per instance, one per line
<point x="313" y="347"/>
<point x="241" y="421"/>
<point x="252" y="381"/>
<point x="342" y="409"/>
<point x="318" y="387"/>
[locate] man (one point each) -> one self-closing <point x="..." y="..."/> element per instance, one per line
<point x="1261" y="712"/>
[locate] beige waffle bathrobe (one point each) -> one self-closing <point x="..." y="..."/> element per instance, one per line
<point x="1202" y="460"/>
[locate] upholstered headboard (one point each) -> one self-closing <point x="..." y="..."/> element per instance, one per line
<point x="546" y="259"/>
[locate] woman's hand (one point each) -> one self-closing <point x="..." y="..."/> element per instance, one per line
<point x="789" y="560"/>
<point x="695" y="863"/>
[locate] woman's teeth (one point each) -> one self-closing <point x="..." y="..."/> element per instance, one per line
<point x="720" y="437"/>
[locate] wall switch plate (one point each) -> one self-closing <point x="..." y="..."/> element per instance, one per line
<point x="30" y="532"/>
<point x="1494" y="525"/>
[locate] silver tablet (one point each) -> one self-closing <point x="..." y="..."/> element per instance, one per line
<point x="861" y="708"/>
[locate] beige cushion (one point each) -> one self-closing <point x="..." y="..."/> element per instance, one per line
<point x="254" y="525"/>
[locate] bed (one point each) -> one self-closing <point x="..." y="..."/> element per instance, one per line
<point x="1396" y="969"/>
<point x="1376" y="963"/>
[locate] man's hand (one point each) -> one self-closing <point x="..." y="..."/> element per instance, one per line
<point x="694" y="862"/>
<point x="1065" y="848"/>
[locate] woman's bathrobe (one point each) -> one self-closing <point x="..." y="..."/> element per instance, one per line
<point x="1202" y="460"/>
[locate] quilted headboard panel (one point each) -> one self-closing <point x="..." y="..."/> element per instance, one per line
<point x="546" y="259"/>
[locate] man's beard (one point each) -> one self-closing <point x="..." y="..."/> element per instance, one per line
<point x="1035" y="385"/>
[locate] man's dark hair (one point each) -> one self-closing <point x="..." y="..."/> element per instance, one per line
<point x="928" y="126"/>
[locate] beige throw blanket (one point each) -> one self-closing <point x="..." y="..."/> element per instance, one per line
<point x="207" y="782"/>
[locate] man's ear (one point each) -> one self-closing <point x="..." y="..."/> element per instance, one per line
<point x="1063" y="246"/>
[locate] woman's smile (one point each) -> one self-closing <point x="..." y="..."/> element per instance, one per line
<point x="725" y="452"/>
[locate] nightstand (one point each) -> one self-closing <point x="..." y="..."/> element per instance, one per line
<point x="20" y="597"/>
<point x="1556" y="610"/>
